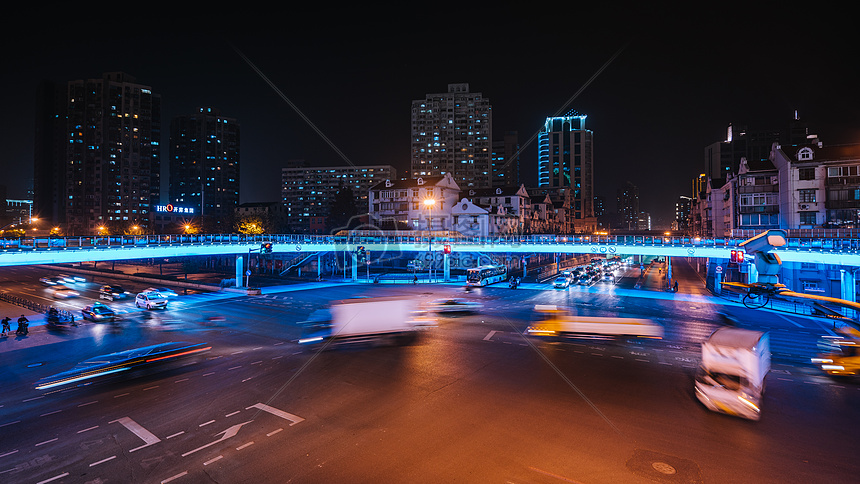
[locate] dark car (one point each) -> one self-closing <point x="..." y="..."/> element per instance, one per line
<point x="98" y="312"/>
<point x="112" y="292"/>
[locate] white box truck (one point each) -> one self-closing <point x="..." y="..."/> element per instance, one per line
<point x="383" y="319"/>
<point x="731" y="376"/>
<point x="555" y="321"/>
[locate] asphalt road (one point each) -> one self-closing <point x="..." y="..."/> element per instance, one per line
<point x="471" y="401"/>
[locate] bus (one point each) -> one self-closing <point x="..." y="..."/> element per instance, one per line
<point x="485" y="275"/>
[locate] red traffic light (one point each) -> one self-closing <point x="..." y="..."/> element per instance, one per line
<point x="737" y="256"/>
<point x="446" y="249"/>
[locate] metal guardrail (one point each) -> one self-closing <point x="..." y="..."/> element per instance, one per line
<point x="34" y="306"/>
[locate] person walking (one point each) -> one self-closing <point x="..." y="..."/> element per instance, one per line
<point x="6" y="325"/>
<point x="675" y="287"/>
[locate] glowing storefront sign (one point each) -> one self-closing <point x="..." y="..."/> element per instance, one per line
<point x="170" y="208"/>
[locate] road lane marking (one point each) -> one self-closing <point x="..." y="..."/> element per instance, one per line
<point x="54" y="478"/>
<point x="48" y="441"/>
<point x="231" y="414"/>
<point x="206" y="423"/>
<point x="230" y="432"/>
<point x="278" y="413"/>
<point x="50" y="413"/>
<point x="103" y="461"/>
<point x="213" y="460"/>
<point x="177" y="476"/>
<point x="121" y="395"/>
<point x="240" y="366"/>
<point x="148" y="437"/>
<point x="177" y="434"/>
<point x="180" y="381"/>
<point x="9" y="453"/>
<point x="244" y="445"/>
<point x="34" y="398"/>
<point x="210" y="373"/>
<point x="88" y="403"/>
<point x="489" y="335"/>
<point x="273" y="432"/>
<point x="87" y="430"/>
<point x="10" y="423"/>
<point x="553" y="475"/>
<point x="151" y="388"/>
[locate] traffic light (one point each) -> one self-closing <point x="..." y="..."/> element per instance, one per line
<point x="737" y="256"/>
<point x="266" y="248"/>
<point x="446" y="249"/>
<point x="361" y="253"/>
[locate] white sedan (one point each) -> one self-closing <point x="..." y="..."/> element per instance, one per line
<point x="455" y="305"/>
<point x="561" y="282"/>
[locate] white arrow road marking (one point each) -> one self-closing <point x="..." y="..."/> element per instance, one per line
<point x="148" y="437"/>
<point x="230" y="432"/>
<point x="278" y="413"/>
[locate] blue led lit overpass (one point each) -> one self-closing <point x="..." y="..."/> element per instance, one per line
<point x="26" y="251"/>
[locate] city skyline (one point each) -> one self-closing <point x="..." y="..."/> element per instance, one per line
<point x="657" y="88"/>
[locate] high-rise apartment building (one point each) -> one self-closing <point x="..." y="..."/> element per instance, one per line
<point x="204" y="164"/>
<point x="628" y="206"/>
<point x="566" y="161"/>
<point x="97" y="160"/>
<point x="452" y="133"/>
<point x="506" y="161"/>
<point x="308" y="192"/>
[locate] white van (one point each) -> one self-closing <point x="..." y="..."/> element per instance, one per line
<point x="731" y="376"/>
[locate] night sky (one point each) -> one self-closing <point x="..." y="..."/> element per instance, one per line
<point x="677" y="80"/>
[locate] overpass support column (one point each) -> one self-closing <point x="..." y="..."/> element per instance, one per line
<point x="669" y="269"/>
<point x="557" y="263"/>
<point x="240" y="266"/>
<point x="848" y="289"/>
<point x="446" y="267"/>
<point x="319" y="267"/>
<point x="354" y="266"/>
<point x="718" y="282"/>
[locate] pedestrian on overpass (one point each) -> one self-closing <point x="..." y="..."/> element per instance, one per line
<point x="6" y="325"/>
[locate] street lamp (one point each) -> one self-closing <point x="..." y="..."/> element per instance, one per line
<point x="429" y="203"/>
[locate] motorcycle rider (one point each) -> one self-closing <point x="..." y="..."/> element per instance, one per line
<point x="23" y="324"/>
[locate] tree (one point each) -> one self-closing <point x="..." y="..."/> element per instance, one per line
<point x="250" y="225"/>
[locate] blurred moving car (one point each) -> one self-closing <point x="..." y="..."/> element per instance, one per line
<point x="561" y="282"/>
<point x="381" y="320"/>
<point x="840" y="354"/>
<point x="164" y="291"/>
<point x="71" y="279"/>
<point x="608" y="277"/>
<point x="454" y="305"/>
<point x="50" y="280"/>
<point x="112" y="292"/>
<point x="60" y="291"/>
<point x="556" y="321"/>
<point x="98" y="312"/>
<point x="150" y="300"/>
